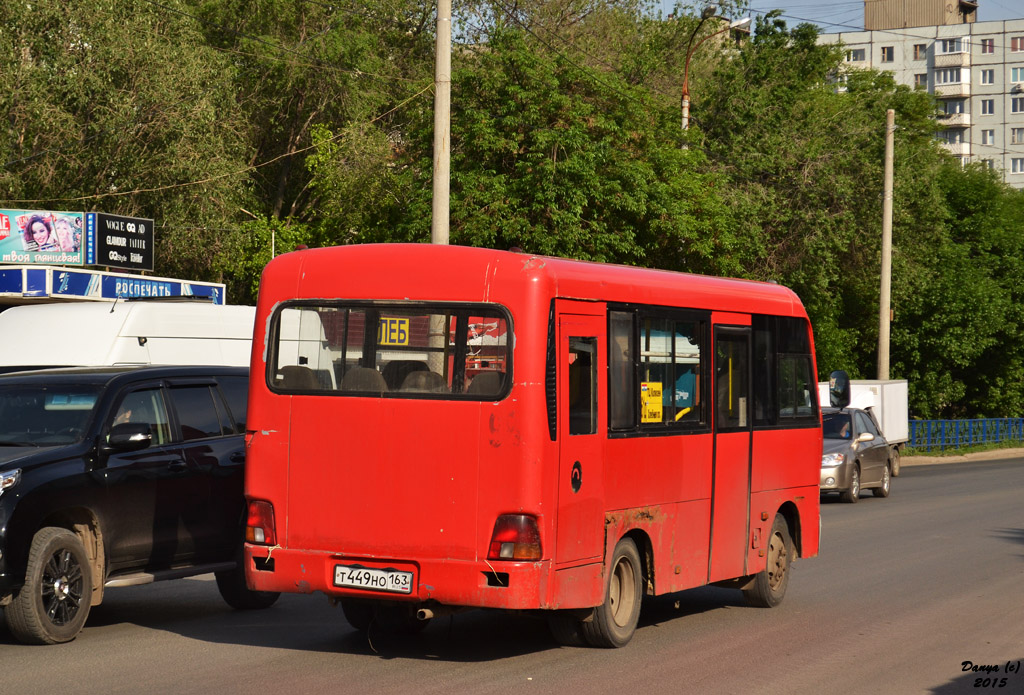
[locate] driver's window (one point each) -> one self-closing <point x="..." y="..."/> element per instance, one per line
<point x="145" y="406"/>
<point x="864" y="424"/>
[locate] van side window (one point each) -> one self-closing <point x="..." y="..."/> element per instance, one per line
<point x="582" y="385"/>
<point x="785" y="387"/>
<point x="657" y="370"/>
<point x="197" y="412"/>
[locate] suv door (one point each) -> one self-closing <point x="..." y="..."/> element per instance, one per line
<point x="214" y="450"/>
<point x="146" y="492"/>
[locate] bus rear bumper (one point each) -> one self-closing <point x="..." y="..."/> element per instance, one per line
<point x="479" y="584"/>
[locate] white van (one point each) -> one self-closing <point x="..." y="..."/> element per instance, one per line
<point x="124" y="332"/>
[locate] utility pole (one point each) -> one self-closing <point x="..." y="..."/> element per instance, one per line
<point x="442" y="123"/>
<point x="884" y="311"/>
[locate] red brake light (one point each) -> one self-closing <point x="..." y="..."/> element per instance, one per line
<point x="515" y="537"/>
<point x="259" y="526"/>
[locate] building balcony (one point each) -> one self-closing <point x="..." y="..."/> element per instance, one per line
<point x="954" y="90"/>
<point x="953" y="60"/>
<point x="958" y="149"/>
<point x="955" y="120"/>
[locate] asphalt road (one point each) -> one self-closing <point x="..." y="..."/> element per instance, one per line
<point x="904" y="592"/>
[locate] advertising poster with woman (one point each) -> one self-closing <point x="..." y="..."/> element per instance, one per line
<point x="41" y="236"/>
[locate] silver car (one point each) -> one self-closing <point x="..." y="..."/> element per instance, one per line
<point x="855" y="455"/>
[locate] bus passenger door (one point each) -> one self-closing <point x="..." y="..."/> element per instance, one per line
<point x="580" y="411"/>
<point x="730" y="488"/>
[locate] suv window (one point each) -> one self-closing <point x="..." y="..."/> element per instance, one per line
<point x="236" y="390"/>
<point x="145" y="406"/>
<point x="198" y="411"/>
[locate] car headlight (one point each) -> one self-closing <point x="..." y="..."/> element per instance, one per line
<point x="9" y="479"/>
<point x="832" y="460"/>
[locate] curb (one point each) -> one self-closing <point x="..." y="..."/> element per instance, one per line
<point x="993" y="455"/>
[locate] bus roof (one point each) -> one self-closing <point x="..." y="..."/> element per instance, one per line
<point x="426" y="272"/>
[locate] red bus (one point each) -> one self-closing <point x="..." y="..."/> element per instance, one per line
<point x="435" y="428"/>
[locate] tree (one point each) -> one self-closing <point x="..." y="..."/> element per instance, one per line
<point x="120" y="107"/>
<point x="560" y="159"/>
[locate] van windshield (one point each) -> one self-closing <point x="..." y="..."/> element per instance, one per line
<point x="44" y="415"/>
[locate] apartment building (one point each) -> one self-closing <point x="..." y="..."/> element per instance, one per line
<point x="974" y="69"/>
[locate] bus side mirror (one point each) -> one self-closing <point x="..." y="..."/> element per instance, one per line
<point x="839" y="389"/>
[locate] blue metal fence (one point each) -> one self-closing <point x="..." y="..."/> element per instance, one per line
<point x="953" y="434"/>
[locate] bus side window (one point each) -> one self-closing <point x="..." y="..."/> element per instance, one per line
<point x="582" y="385"/>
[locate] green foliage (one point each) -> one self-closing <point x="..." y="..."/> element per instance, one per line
<point x="108" y="98"/>
<point x="561" y="159"/>
<point x="248" y="127"/>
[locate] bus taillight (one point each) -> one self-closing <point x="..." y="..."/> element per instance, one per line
<point x="259" y="527"/>
<point x="515" y="537"/>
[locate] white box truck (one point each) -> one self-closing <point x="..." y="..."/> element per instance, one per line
<point x="887" y="401"/>
<point x="79" y="334"/>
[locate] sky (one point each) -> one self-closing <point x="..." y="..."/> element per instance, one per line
<point x="848" y="15"/>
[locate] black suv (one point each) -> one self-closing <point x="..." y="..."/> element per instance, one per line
<point x="115" y="476"/>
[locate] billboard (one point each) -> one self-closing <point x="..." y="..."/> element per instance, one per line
<point x="48" y="283"/>
<point x="119" y="242"/>
<point x="45" y="237"/>
<point x="41" y="237"/>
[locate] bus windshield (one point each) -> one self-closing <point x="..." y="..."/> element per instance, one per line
<point x="426" y="351"/>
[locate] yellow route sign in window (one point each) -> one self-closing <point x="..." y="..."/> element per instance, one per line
<point x="650" y="401"/>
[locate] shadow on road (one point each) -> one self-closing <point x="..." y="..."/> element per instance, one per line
<point x="193" y="609"/>
<point x="997" y="678"/>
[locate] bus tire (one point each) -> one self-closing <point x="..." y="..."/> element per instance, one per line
<point x="853" y="494"/>
<point x="769" y="587"/>
<point x="387" y="618"/>
<point x="615" y="620"/>
<point x="359" y="614"/>
<point x="237" y="594"/>
<point x="567" y="629"/>
<point x="53" y="604"/>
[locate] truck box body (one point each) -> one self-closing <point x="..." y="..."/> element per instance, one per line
<point x="886" y="399"/>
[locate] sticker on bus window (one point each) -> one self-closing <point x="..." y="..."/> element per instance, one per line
<point x="393" y="331"/>
<point x="650" y="401"/>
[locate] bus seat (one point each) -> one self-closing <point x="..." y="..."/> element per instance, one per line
<point x="395" y="371"/>
<point x="425" y="382"/>
<point x="364" y="380"/>
<point x="486" y="384"/>
<point x="296" y="377"/>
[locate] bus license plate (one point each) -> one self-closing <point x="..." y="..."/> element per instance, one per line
<point x="357" y="577"/>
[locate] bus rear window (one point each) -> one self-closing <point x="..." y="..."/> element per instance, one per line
<point x="401" y="350"/>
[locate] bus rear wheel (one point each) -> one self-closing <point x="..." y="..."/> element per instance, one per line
<point x="769" y="587"/>
<point x="614" y="621"/>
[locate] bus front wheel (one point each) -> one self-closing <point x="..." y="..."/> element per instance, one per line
<point x="770" y="584"/>
<point x="614" y="621"/>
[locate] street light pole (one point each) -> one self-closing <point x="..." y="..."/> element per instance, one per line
<point x="442" y="124"/>
<point x="707" y="14"/>
<point x="884" y="307"/>
<point x="691" y="48"/>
